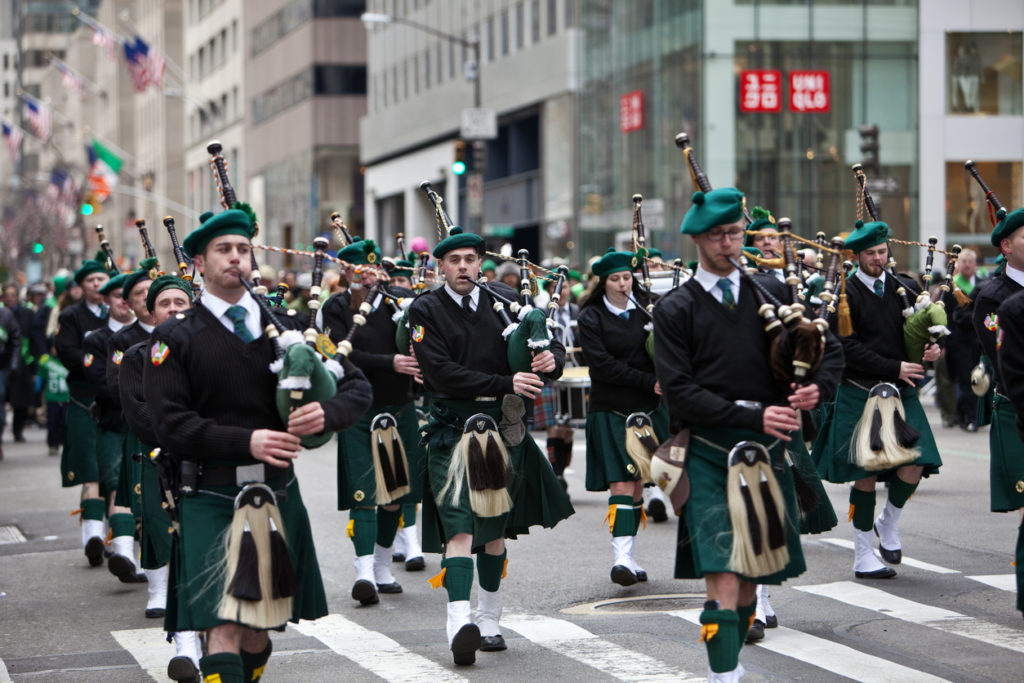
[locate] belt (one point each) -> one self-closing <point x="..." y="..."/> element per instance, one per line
<point x="481" y="399"/>
<point x="241" y="475"/>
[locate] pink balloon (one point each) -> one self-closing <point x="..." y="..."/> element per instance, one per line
<point x="419" y="244"/>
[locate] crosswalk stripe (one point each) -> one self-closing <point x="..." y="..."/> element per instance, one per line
<point x="149" y="647"/>
<point x="374" y="651"/>
<point x="908" y="561"/>
<point x="827" y="655"/>
<point x="917" y="613"/>
<point x="575" y="642"/>
<point x="1004" y="582"/>
<point x="4" y="676"/>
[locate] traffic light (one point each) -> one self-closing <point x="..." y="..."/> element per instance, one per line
<point x="87" y="208"/>
<point x="869" y="149"/>
<point x="459" y="165"/>
<point x="37" y="248"/>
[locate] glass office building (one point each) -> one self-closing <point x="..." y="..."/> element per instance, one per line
<point x="772" y="95"/>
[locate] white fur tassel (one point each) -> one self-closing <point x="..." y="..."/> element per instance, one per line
<point x="277" y="365"/>
<point x="939" y="330"/>
<point x="648" y="327"/>
<point x="508" y="331"/>
<point x="290" y="337"/>
<point x="295" y="382"/>
<point x="397" y="316"/>
<point x="538" y="343"/>
<point x="334" y="367"/>
<point x="523" y="310"/>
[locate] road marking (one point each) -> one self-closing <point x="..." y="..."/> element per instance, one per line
<point x="910" y="562"/>
<point x="827" y="655"/>
<point x="940" y="619"/>
<point x="150" y="649"/>
<point x="374" y="651"/>
<point x="1004" y="582"/>
<point x="568" y="639"/>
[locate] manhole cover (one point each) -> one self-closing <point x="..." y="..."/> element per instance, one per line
<point x="640" y="604"/>
<point x="11" y="534"/>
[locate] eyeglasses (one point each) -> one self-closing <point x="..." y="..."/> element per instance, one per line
<point x="719" y="235"/>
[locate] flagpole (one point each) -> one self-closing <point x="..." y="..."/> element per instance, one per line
<point x="125" y="18"/>
<point x="96" y="25"/>
<point x="61" y="64"/>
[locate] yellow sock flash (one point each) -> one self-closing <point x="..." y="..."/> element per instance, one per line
<point x="438" y="581"/>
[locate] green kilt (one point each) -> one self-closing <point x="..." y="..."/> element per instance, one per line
<point x="831" y="450"/>
<point x="357" y="482"/>
<point x="823" y="517"/>
<point x="109" y="449"/>
<point x="78" y="457"/>
<point x="128" y="495"/>
<point x="537" y="496"/>
<point x="1006" y="464"/>
<point x="196" y="578"/>
<point x="157" y="533"/>
<point x="705" y="532"/>
<point x="607" y="459"/>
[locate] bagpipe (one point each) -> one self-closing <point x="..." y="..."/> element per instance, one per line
<point x="181" y="258"/>
<point x="111" y="262"/>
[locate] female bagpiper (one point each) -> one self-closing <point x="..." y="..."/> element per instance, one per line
<point x="625" y="419"/>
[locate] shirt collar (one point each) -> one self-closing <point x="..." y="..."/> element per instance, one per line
<point x="95" y="309"/>
<point x="869" y="281"/>
<point x="474" y="296"/>
<point x="617" y="311"/>
<point x="709" y="280"/>
<point x="219" y="306"/>
<point x="147" y="328"/>
<point x="1015" y="274"/>
<point x="114" y="325"/>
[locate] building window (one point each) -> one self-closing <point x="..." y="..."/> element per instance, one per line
<point x="451" y="57"/>
<point x="520" y="25"/>
<point x="967" y="214"/>
<point x="490" y="39"/>
<point x="394" y="84"/>
<point x="552" y="17"/>
<point x="984" y="73"/>
<point x="504" y="32"/>
<point x="426" y="69"/>
<point x="570" y="13"/>
<point x="415" y="75"/>
<point x="534" y="21"/>
<point x="440" y="72"/>
<point x="234" y="36"/>
<point x="339" y="79"/>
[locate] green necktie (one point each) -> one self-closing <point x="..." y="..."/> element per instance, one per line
<point x="237" y="316"/>
<point x="727" y="299"/>
<point x="104" y="310"/>
<point x="879" y="287"/>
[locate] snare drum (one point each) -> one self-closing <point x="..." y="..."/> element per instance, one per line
<point x="572" y="395"/>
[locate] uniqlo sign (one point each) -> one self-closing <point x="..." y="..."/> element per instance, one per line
<point x="631" y="111"/>
<point x="760" y="90"/>
<point x="808" y="91"/>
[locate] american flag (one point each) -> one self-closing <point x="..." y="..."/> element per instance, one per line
<point x="70" y="80"/>
<point x="39" y="119"/>
<point x="155" y="68"/>
<point x="138" y="58"/>
<point x="13" y="136"/>
<point x="106" y="40"/>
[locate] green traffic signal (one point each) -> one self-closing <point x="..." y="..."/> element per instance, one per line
<point x="87" y="209"/>
<point x="459" y="167"/>
<point x="37" y="248"/>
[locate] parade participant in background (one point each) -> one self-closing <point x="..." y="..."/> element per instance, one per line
<point x="10" y="348"/>
<point x="878" y="372"/>
<point x="457" y="338"/>
<point x="56" y="396"/>
<point x="962" y="347"/>
<point x="764" y="236"/>
<point x="1006" y="461"/>
<point x="21" y="382"/>
<point x="712" y="359"/>
<point x="376" y="478"/>
<point x="613" y="333"/>
<point x="110" y="428"/>
<point x="210" y="383"/>
<point x="559" y="432"/>
<point x="166" y="296"/>
<point x="78" y="464"/>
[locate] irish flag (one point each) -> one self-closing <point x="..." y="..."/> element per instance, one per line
<point x="104" y="166"/>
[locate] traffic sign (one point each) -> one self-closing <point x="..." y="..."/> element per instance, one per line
<point x="479" y="124"/>
<point x="475" y="194"/>
<point x="889" y="185"/>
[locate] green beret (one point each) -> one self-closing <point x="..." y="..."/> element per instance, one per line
<point x="753" y="251"/>
<point x="361" y="252"/>
<point x="60" y="284"/>
<point x="866" y="235"/>
<point x="143" y="273"/>
<point x="614" y="262"/>
<point x="88" y="268"/>
<point x="402" y="268"/>
<point x="457" y="239"/>
<point x="488" y="265"/>
<point x="116" y="282"/>
<point x="763" y="219"/>
<point x="1007" y="226"/>
<point x="166" y="282"/>
<point x="230" y="222"/>
<point x="718" y="207"/>
<point x="577" y="289"/>
<point x="654" y="253"/>
<point x="575" y="275"/>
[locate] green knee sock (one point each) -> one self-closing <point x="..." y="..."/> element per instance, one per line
<point x="639" y="516"/>
<point x="223" y="667"/>
<point x="1019" y="562"/>
<point x="746" y="619"/>
<point x="900" y="491"/>
<point x="362" y="529"/>
<point x="458" y="577"/>
<point x="122" y="524"/>
<point x="620" y="515"/>
<point x="253" y="663"/>
<point x="490" y="568"/>
<point x="409" y="515"/>
<point x="720" y="633"/>
<point x="862" y="509"/>
<point x="387" y="526"/>
<point x="94" y="508"/>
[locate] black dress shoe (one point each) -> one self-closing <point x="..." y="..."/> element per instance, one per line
<point x="465" y="644"/>
<point x="656" y="510"/>
<point x="756" y="631"/>
<point x="623" y="575"/>
<point x="155" y="612"/>
<point x="398" y="557"/>
<point x="182" y="669"/>
<point x="970" y="427"/>
<point x="94" y="551"/>
<point x="771" y="622"/>
<point x="641" y="575"/>
<point x="365" y="592"/>
<point x="415" y="564"/>
<point x="888" y="556"/>
<point x="883" y="573"/>
<point x="394" y="587"/>
<point x="493" y="643"/>
<point x="19" y="439"/>
<point x="123" y="568"/>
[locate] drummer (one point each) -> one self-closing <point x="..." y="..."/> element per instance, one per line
<point x="613" y="331"/>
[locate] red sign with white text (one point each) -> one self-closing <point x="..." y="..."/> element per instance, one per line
<point x="631" y="111"/>
<point x="808" y="91"/>
<point x="760" y="90"/>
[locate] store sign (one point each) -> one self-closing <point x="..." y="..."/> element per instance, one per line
<point x="760" y="90"/>
<point x="808" y="91"/>
<point x="631" y="111"/>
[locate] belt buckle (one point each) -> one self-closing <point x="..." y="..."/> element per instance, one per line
<point x="247" y="474"/>
<point x="749" y="405"/>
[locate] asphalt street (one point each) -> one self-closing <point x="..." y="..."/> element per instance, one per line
<point x="949" y="615"/>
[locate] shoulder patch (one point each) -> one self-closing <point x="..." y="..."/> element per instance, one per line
<point x="117" y="357"/>
<point x="87" y="360"/>
<point x="180" y="316"/>
<point x="158" y="353"/>
<point x="417" y="333"/>
<point x="992" y="322"/>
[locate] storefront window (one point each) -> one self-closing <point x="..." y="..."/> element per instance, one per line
<point x="984" y="73"/>
<point x="968" y="218"/>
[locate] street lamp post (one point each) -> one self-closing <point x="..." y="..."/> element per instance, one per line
<point x="479" y="148"/>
